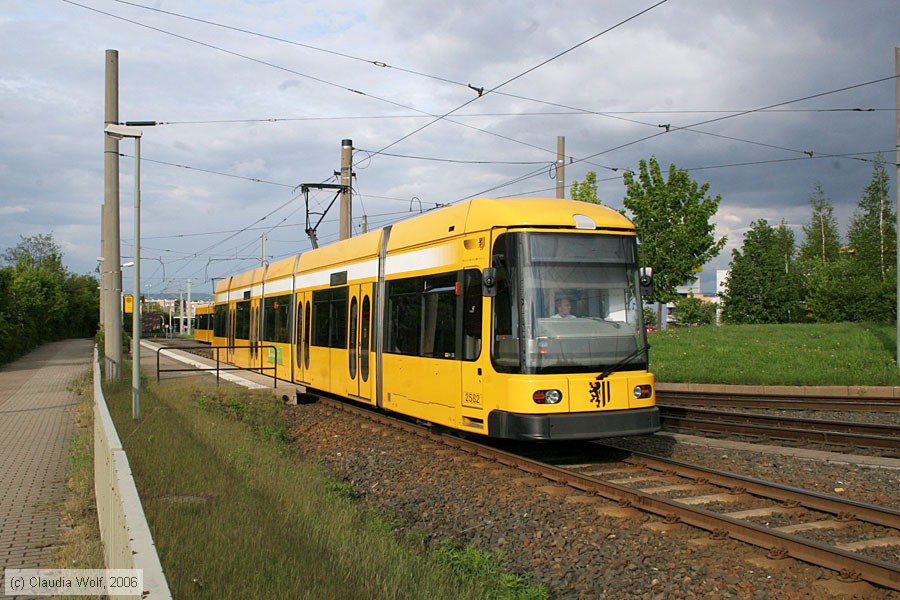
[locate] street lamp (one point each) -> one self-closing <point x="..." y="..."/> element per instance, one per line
<point x="118" y="132"/>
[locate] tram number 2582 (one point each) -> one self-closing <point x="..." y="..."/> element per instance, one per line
<point x="472" y="399"/>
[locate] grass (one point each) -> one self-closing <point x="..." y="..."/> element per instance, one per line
<point x="236" y="513"/>
<point x="797" y="354"/>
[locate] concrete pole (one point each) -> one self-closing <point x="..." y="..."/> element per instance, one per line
<point x="181" y="309"/>
<point x="190" y="307"/>
<point x="136" y="314"/>
<point x="560" y="166"/>
<point x="346" y="198"/>
<point x="112" y="270"/>
<point x="897" y="186"/>
<point x="101" y="272"/>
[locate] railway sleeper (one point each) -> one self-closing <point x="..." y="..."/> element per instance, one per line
<point x="766" y="512"/>
<point x="875" y="543"/>
<point x="813" y="525"/>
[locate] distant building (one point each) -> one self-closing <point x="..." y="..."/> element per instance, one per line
<point x="689" y="288"/>
<point x="721" y="276"/>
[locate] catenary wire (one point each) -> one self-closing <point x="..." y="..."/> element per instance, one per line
<point x="481" y="94"/>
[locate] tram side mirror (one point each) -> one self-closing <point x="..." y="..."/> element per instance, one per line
<point x="489" y="282"/>
<point x="645" y="280"/>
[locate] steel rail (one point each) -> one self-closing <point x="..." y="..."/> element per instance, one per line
<point x="778" y="401"/>
<point x="868" y="435"/>
<point x="824" y="555"/>
<point x="863" y="511"/>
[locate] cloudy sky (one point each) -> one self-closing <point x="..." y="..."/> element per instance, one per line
<point x="254" y="97"/>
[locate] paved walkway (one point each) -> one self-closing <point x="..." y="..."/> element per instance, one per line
<point x="37" y="416"/>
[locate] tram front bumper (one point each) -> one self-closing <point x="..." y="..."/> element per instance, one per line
<point x="573" y="426"/>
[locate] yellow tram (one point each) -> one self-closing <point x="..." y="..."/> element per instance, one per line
<point x="453" y="317"/>
<point x="203" y="319"/>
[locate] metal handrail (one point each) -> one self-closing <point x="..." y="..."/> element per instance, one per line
<point x="218" y="366"/>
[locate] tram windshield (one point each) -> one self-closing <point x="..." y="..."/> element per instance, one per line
<point x="566" y="303"/>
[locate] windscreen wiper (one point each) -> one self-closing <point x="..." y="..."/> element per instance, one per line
<point x="604" y="374"/>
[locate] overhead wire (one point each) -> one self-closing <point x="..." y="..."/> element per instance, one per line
<point x="494" y="90"/>
<point x="572" y="112"/>
<point x="243" y="56"/>
<point x="673" y="128"/>
<point x="524" y="177"/>
<point x="318" y="79"/>
<point x="376" y="63"/>
<point x="482" y="92"/>
<point x="211" y="172"/>
<point x="435" y="118"/>
<point x="382" y="64"/>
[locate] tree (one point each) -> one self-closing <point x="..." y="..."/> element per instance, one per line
<point x="672" y="217"/>
<point x="762" y="285"/>
<point x="690" y="310"/>
<point x="84" y="305"/>
<point x="39" y="300"/>
<point x="587" y="190"/>
<point x="38" y="251"/>
<point x="11" y="320"/>
<point x="822" y="241"/>
<point x="787" y="247"/>
<point x="872" y="234"/>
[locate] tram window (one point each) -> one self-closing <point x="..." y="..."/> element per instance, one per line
<point x="505" y="344"/>
<point x="242" y="320"/>
<point x="329" y="318"/>
<point x="276" y="315"/>
<point x="219" y="320"/>
<point x="472" y="302"/>
<point x="354" y="314"/>
<point x="422" y="316"/>
<point x="439" y="325"/>
<point x="404" y="317"/>
<point x="299" y="336"/>
<point x="306" y="335"/>
<point x="364" y="340"/>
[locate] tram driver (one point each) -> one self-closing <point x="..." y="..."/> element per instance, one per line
<point x="563" y="308"/>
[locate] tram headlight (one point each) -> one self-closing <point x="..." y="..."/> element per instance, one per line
<point x="547" y="397"/>
<point x="643" y="391"/>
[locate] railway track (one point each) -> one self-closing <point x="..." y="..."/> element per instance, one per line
<point x="780" y="401"/>
<point x="785" y="521"/>
<point x="689" y="419"/>
<point x="858" y="540"/>
<point x="735" y="506"/>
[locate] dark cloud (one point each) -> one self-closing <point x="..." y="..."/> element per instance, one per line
<point x="659" y="69"/>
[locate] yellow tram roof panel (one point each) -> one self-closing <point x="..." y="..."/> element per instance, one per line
<point x="243" y="280"/>
<point x="482" y="214"/>
<point x="353" y="249"/>
<point x="281" y="268"/>
<point x="223" y="284"/>
<point x="523" y="212"/>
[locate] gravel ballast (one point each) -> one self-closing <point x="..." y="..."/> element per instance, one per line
<point x="569" y="541"/>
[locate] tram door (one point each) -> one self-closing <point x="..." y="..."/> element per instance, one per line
<point x="359" y="344"/>
<point x="229" y="332"/>
<point x="255" y="360"/>
<point x="302" y="334"/>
